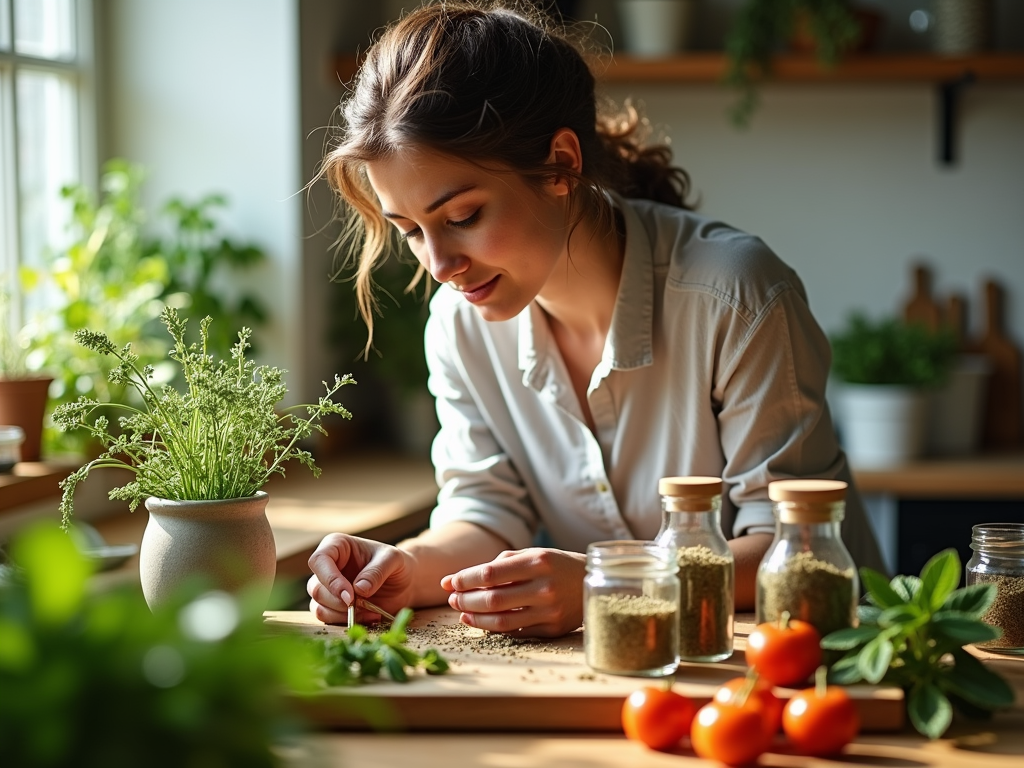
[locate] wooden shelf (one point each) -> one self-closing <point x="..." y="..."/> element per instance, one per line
<point x="868" y="68"/>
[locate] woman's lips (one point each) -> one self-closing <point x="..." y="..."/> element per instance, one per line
<point x="480" y="292"/>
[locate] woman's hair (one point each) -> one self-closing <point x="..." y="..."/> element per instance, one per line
<point x="489" y="83"/>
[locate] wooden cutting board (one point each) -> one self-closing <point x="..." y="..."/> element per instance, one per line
<point x="531" y="686"/>
<point x="1003" y="425"/>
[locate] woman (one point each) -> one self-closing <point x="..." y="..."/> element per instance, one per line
<point x="590" y="335"/>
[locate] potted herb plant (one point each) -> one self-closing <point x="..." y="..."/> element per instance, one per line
<point x="23" y="391"/>
<point x="762" y="28"/>
<point x="886" y="370"/>
<point x="200" y="457"/>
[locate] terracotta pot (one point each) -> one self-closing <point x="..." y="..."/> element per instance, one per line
<point x="229" y="543"/>
<point x="23" y="404"/>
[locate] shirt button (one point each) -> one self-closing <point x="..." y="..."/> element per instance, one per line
<point x="602" y="487"/>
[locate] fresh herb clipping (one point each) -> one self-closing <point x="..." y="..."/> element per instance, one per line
<point x="912" y="636"/>
<point x="361" y="657"/>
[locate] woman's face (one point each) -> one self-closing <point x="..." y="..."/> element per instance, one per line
<point x="487" y="234"/>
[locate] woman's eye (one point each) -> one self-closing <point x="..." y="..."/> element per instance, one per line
<point x="410" y="234"/>
<point x="466" y="222"/>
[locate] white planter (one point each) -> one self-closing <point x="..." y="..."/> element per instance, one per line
<point x="655" y="28"/>
<point x="955" y="411"/>
<point x="882" y="425"/>
<point x="229" y="544"/>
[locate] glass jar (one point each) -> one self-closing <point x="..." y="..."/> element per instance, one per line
<point x="631" y="609"/>
<point x="807" y="571"/>
<point x="999" y="559"/>
<point x="691" y="526"/>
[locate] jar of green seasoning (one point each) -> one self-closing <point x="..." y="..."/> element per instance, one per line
<point x="631" y="609"/>
<point x="807" y="571"/>
<point x="999" y="559"/>
<point x="691" y="526"/>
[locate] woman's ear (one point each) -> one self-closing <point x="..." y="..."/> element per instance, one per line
<point x="565" y="153"/>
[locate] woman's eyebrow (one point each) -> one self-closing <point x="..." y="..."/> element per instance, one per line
<point x="446" y="197"/>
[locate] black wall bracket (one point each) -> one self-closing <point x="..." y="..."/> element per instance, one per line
<point x="949" y="96"/>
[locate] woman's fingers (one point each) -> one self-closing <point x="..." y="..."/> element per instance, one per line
<point x="508" y="567"/>
<point x="326" y="563"/>
<point x="525" y="622"/>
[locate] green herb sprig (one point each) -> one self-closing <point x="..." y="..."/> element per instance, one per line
<point x="912" y="636"/>
<point x="359" y="657"/>
<point x="223" y="438"/>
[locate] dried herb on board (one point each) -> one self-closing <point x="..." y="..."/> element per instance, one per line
<point x="361" y="657"/>
<point x="912" y="636"/>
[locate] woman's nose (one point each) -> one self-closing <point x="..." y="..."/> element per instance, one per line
<point x="443" y="262"/>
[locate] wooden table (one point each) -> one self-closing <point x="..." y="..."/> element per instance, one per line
<point x="998" y="743"/>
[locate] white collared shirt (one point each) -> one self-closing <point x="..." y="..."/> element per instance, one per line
<point x="713" y="365"/>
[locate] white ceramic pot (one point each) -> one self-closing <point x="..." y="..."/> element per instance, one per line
<point x="655" y="28"/>
<point x="882" y="425"/>
<point x="955" y="411"/>
<point x="228" y="543"/>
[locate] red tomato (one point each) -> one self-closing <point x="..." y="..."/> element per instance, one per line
<point x="731" y="734"/>
<point x="821" y="721"/>
<point x="784" y="653"/>
<point x="768" y="705"/>
<point x="658" y="717"/>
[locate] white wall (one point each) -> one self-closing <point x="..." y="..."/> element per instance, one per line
<point x="205" y="94"/>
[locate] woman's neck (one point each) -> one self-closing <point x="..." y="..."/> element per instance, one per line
<point x="580" y="296"/>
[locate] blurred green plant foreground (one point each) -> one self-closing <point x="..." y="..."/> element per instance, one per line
<point x="94" y="678"/>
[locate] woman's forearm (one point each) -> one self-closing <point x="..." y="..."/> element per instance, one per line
<point x="748" y="551"/>
<point x="439" y="552"/>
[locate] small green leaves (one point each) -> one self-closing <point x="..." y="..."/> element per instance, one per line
<point x="912" y="636"/>
<point x="360" y="657"/>
<point x="939" y="577"/>
<point x="929" y="710"/>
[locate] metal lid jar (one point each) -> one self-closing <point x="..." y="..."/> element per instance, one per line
<point x="999" y="559"/>
<point x="807" y="570"/>
<point x="631" y="609"/>
<point x="691" y="526"/>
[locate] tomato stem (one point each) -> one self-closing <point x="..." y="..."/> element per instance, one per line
<point x="820" y="680"/>
<point x="784" y="620"/>
<point x="740" y="696"/>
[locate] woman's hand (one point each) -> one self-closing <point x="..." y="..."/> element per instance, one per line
<point x="345" y="567"/>
<point x="531" y="592"/>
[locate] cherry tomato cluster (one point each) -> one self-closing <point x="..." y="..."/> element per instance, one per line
<point x="744" y="716"/>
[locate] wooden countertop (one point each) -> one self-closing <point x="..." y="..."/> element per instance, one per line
<point x="996" y="743"/>
<point x="990" y="476"/>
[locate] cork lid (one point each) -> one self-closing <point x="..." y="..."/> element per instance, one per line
<point x="695" y="487"/>
<point x="807" y="491"/>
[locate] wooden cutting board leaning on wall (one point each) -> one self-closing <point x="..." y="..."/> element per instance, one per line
<point x="1003" y="425"/>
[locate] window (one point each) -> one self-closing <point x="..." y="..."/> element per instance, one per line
<point x="45" y="96"/>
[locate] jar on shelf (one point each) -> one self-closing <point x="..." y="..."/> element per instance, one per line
<point x="999" y="559"/>
<point x="691" y="526"/>
<point x="631" y="609"/>
<point x="807" y="571"/>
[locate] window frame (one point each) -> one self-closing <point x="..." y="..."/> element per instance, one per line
<point x="81" y="71"/>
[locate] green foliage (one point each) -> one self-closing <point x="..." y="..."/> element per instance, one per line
<point x="912" y="636"/>
<point x="397" y="356"/>
<point x="360" y="657"/>
<point x="762" y="27"/>
<point x="222" y="438"/>
<point x="891" y="352"/>
<point x="95" y="679"/>
<point x="116" y="276"/>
